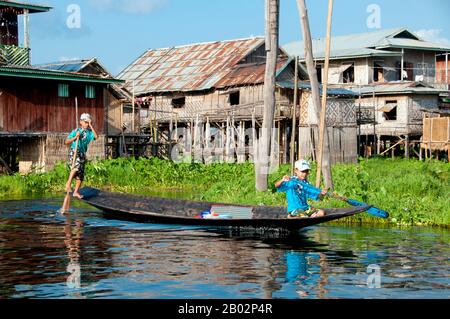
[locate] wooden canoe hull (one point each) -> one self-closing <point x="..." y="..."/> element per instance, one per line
<point x="184" y="212"/>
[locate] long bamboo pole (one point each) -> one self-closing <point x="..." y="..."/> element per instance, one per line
<point x="294" y="116"/>
<point x="324" y="94"/>
<point x="132" y="107"/>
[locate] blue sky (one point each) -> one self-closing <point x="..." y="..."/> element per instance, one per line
<point x="118" y="31"/>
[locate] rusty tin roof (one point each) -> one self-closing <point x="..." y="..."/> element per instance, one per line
<point x="192" y="67"/>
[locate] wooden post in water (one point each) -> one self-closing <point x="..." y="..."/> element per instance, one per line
<point x="265" y="142"/>
<point x="325" y="155"/>
<point x="323" y="114"/>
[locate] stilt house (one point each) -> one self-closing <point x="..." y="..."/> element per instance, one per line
<point x="37" y="104"/>
<point x="204" y="102"/>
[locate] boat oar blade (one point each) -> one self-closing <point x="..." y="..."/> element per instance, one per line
<point x="66" y="204"/>
<point x="372" y="211"/>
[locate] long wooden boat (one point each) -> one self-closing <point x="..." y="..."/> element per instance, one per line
<point x="184" y="212"/>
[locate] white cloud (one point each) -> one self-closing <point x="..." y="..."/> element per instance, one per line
<point x="433" y="35"/>
<point x="128" y="6"/>
<point x="65" y="59"/>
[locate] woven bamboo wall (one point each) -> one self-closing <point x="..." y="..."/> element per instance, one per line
<point x="56" y="150"/>
<point x="437" y="132"/>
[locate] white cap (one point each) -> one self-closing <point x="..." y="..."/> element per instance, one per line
<point x="302" y="165"/>
<point x="85" y="117"/>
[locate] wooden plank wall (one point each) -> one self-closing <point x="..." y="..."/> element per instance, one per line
<point x="113" y="113"/>
<point x="343" y="143"/>
<point x="29" y="105"/>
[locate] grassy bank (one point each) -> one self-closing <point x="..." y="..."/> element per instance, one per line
<point x="412" y="192"/>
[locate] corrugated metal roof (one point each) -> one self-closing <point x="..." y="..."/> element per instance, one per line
<point x="33" y="72"/>
<point x="411" y="43"/>
<point x="85" y="66"/>
<point x="33" y="8"/>
<point x="70" y="66"/>
<point x="248" y="74"/>
<point x="397" y="88"/>
<point x="365" y="44"/>
<point x="186" y="68"/>
<point x="307" y="86"/>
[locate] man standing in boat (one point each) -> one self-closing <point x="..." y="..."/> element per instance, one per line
<point x="85" y="134"/>
<point x="298" y="190"/>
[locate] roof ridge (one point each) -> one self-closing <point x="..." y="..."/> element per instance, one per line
<point x="394" y="31"/>
<point x="66" y="62"/>
<point x="206" y="42"/>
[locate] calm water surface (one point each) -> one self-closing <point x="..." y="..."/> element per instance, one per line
<point x="83" y="255"/>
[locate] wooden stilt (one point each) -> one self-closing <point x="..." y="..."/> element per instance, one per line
<point x="378" y="144"/>
<point x="407" y="146"/>
<point x="223" y="142"/>
<point x="430" y="140"/>
<point x="8" y="169"/>
<point x="254" y="139"/>
<point x="448" y="153"/>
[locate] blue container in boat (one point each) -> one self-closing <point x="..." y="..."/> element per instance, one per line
<point x="205" y="213"/>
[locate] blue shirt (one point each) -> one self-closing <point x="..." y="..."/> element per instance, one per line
<point x="86" y="137"/>
<point x="298" y="192"/>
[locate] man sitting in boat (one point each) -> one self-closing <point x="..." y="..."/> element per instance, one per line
<point x="298" y="190"/>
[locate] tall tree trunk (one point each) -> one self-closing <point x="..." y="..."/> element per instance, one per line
<point x="264" y="142"/>
<point x="326" y="162"/>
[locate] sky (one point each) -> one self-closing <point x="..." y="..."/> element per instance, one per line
<point x="116" y="32"/>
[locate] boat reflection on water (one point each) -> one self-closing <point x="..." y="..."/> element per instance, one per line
<point x="296" y="263"/>
<point x="83" y="255"/>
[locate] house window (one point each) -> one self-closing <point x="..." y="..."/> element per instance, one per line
<point x="127" y="109"/>
<point x="349" y="74"/>
<point x="319" y="72"/>
<point x="378" y="72"/>
<point x="90" y="92"/>
<point x="408" y="71"/>
<point x="179" y="103"/>
<point x="235" y="98"/>
<point x="390" y="111"/>
<point x="63" y="90"/>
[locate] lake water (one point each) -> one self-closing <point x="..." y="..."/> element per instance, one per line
<point x="44" y="254"/>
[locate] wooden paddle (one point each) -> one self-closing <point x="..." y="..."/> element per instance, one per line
<point x="372" y="211"/>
